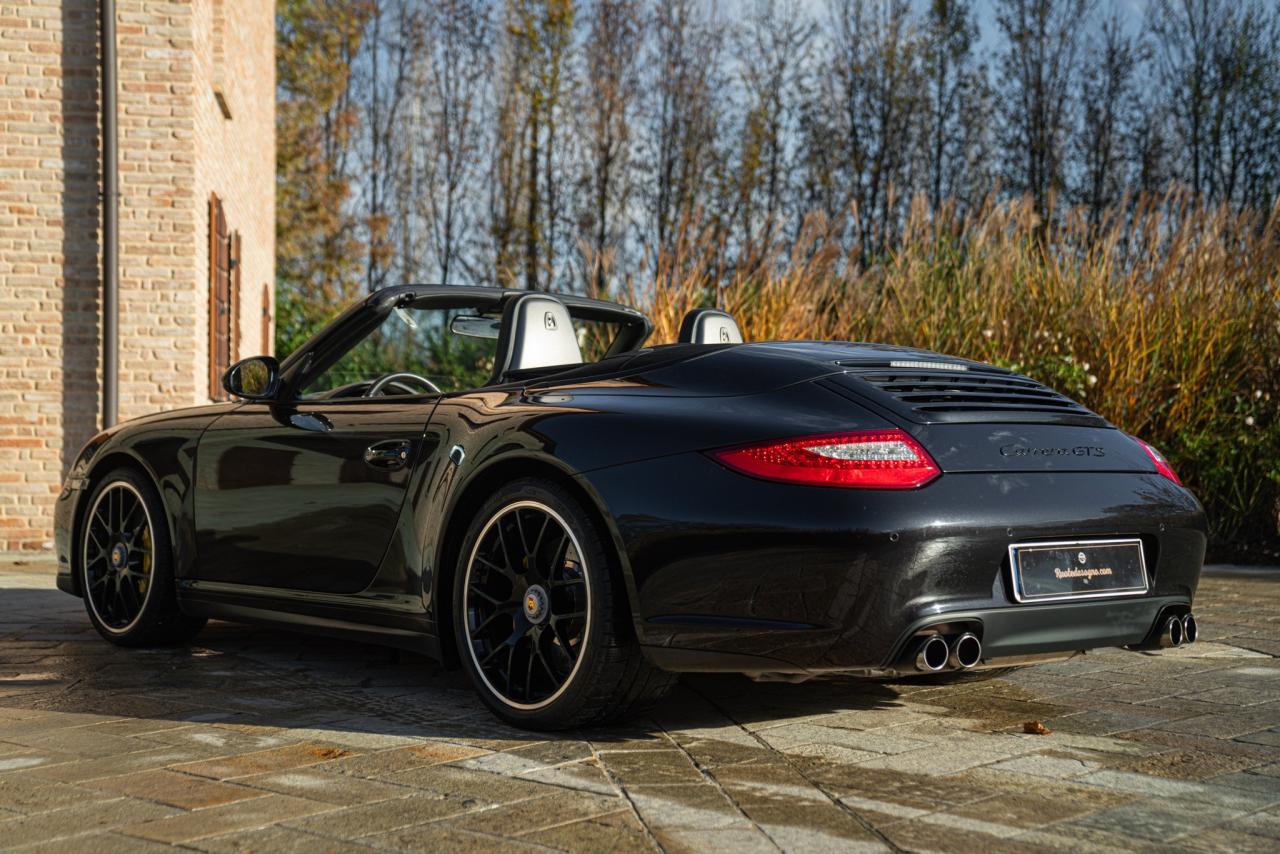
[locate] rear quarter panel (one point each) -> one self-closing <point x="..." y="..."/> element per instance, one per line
<point x="580" y="429"/>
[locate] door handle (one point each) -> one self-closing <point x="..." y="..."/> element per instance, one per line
<point x="388" y="456"/>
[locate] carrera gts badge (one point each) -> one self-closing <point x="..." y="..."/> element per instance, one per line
<point x="1077" y="451"/>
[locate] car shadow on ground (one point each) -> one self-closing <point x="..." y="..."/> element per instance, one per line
<point x="52" y="659"/>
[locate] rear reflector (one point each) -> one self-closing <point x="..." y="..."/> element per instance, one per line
<point x="868" y="459"/>
<point x="1162" y="465"/>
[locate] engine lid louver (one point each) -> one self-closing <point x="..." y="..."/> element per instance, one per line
<point x="968" y="392"/>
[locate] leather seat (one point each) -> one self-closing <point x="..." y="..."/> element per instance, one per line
<point x="709" y="326"/>
<point x="537" y="332"/>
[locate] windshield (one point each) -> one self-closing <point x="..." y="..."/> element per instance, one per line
<point x="438" y="350"/>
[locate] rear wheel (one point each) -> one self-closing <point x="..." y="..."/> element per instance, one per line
<point x="126" y="565"/>
<point x="540" y="614"/>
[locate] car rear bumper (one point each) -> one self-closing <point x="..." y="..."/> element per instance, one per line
<point x="729" y="573"/>
<point x="1010" y="636"/>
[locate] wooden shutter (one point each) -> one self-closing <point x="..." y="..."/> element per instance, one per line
<point x="233" y="340"/>
<point x="219" y="298"/>
<point x="224" y="297"/>
<point x="266" y="345"/>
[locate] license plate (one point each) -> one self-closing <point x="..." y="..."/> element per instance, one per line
<point x="1080" y="569"/>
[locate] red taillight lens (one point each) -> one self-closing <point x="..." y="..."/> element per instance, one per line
<point x="1162" y="465"/>
<point x="869" y="459"/>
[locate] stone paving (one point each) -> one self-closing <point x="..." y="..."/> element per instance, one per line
<point x="262" y="740"/>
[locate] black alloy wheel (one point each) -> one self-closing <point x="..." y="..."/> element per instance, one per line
<point x="119" y="556"/>
<point x="528" y="605"/>
<point x="541" y="616"/>
<point x="126" y="564"/>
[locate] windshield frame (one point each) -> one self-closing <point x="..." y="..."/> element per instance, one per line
<point x="359" y="321"/>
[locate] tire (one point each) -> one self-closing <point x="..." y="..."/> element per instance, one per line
<point x="126" y="565"/>
<point x="541" y="620"/>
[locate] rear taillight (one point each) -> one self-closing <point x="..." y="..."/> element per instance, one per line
<point x="868" y="459"/>
<point x="1162" y="465"/>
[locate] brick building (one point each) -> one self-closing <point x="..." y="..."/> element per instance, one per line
<point x="196" y="172"/>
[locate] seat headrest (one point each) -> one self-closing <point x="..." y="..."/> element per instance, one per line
<point x="709" y="326"/>
<point x="537" y="332"/>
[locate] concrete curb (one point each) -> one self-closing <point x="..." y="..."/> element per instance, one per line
<point x="28" y="562"/>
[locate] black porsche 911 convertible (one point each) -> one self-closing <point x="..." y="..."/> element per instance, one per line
<point x="442" y="469"/>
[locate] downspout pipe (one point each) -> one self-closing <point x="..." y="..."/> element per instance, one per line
<point x="110" y="220"/>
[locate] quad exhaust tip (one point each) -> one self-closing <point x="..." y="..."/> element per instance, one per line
<point x="933" y="654"/>
<point x="1189" y="629"/>
<point x="1172" y="634"/>
<point x="966" y="651"/>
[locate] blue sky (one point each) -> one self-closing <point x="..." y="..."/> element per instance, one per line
<point x="1131" y="10"/>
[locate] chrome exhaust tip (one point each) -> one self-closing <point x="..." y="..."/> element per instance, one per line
<point x="1189" y="629"/>
<point x="932" y="655"/>
<point x="1172" y="634"/>
<point x="966" y="651"/>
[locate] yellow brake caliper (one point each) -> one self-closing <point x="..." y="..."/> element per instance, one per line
<point x="146" y="561"/>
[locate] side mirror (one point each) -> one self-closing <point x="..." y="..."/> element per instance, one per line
<point x="256" y="378"/>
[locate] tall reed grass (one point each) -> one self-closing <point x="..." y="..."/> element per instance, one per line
<point x="1165" y="319"/>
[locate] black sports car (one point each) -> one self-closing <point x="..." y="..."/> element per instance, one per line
<point x="442" y="469"/>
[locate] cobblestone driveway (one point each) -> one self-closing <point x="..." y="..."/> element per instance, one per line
<point x="257" y="740"/>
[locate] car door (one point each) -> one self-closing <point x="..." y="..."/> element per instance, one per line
<point x="305" y="495"/>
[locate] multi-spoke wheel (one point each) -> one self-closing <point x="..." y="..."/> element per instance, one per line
<point x="125" y="564"/>
<point x="527" y="604"/>
<point x="119" y="555"/>
<point x="540" y="615"/>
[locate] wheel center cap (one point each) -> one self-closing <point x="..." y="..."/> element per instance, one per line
<point x="120" y="556"/>
<point x="535" y="603"/>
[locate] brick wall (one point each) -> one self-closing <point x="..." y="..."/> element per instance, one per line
<point x="237" y="59"/>
<point x="176" y="146"/>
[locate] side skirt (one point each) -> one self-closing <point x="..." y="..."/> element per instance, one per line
<point x="326" y="614"/>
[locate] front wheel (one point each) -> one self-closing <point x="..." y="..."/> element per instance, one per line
<point x="541" y="618"/>
<point x="126" y="565"/>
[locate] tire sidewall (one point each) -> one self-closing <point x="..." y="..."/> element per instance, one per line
<point x="561" y="711"/>
<point x="160" y="586"/>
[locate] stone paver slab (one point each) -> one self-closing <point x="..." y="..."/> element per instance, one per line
<point x="1162" y="821"/>
<point x="79" y="820"/>
<point x="618" y="832"/>
<point x="688" y="806"/>
<point x="367" y="820"/>
<point x="258" y="762"/>
<point x="242" y="815"/>
<point x="330" y="788"/>
<point x="175" y="789"/>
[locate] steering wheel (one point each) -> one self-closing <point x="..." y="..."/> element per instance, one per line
<point x="398" y="377"/>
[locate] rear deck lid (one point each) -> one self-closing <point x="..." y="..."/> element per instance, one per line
<point x="1032" y="448"/>
<point x="978" y="418"/>
<point x="946" y="391"/>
